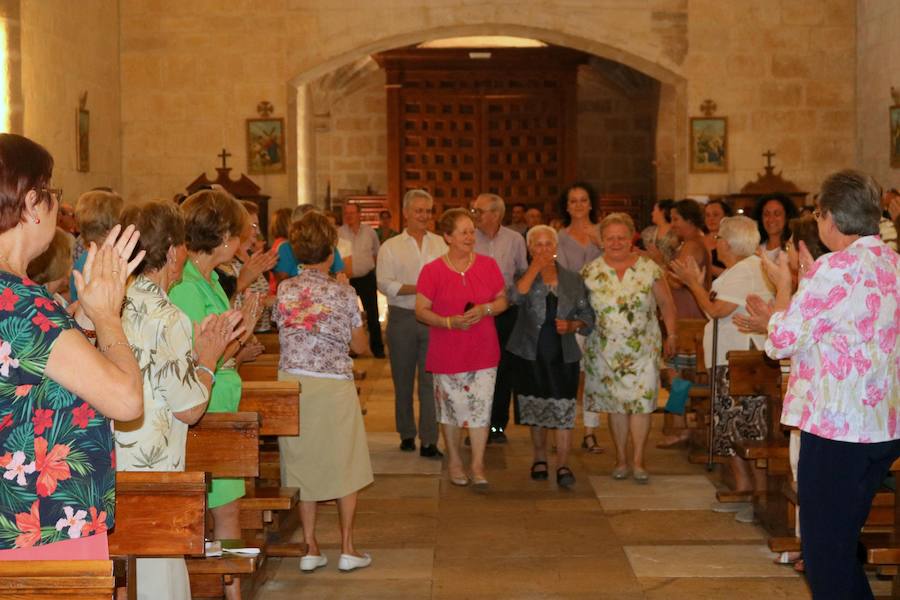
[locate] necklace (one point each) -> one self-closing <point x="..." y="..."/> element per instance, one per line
<point x="461" y="272"/>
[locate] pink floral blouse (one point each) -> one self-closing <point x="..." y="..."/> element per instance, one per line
<point x="840" y="332"/>
<point x="315" y="316"/>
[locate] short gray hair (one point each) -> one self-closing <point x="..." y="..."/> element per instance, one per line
<point x="741" y="233"/>
<point x="300" y="210"/>
<point x="854" y="200"/>
<point x="541" y="229"/>
<point x="411" y="195"/>
<point x="497" y="203"/>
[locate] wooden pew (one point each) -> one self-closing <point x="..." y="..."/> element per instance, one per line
<point x="224" y="445"/>
<point x="752" y="373"/>
<point x="277" y="403"/>
<point x="270" y="342"/>
<point x="263" y="368"/>
<point x="73" y="580"/>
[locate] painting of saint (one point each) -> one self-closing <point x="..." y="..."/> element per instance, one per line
<point x="265" y="146"/>
<point x="709" y="144"/>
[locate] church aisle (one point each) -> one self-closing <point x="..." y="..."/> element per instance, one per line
<point x="526" y="539"/>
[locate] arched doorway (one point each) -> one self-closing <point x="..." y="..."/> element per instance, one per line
<point x="669" y="166"/>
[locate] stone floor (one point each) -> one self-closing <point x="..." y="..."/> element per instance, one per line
<point x="610" y="539"/>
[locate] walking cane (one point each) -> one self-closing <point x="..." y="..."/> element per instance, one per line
<point x="711" y="369"/>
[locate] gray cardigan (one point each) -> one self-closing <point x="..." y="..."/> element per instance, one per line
<point x="573" y="304"/>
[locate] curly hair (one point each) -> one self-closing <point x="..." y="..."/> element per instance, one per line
<point x="790" y="212"/>
<point x="210" y="218"/>
<point x="161" y="225"/>
<point x="312" y="238"/>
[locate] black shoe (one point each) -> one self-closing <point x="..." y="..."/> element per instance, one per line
<point x="539" y="475"/>
<point x="431" y="451"/>
<point x="408" y="445"/>
<point x="496" y="436"/>
<point x="564" y="477"/>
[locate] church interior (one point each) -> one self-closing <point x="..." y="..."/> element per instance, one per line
<point x="292" y="102"/>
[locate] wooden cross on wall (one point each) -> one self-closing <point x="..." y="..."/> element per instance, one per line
<point x="768" y="154"/>
<point x="224" y="154"/>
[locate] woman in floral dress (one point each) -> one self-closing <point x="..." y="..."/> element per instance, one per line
<point x="621" y="357"/>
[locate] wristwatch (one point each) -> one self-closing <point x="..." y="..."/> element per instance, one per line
<point x="488" y="309"/>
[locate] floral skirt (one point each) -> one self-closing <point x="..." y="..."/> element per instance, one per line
<point x="465" y="399"/>
<point x="736" y="417"/>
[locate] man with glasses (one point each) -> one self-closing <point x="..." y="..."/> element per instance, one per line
<point x="507" y="248"/>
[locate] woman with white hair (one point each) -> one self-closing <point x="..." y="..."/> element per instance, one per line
<point x="554" y="307"/>
<point x="734" y="417"/>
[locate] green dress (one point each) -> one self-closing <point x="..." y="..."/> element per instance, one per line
<point x="199" y="298"/>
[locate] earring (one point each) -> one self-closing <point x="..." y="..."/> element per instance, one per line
<point x="37" y="220"/>
<point x="226" y="245"/>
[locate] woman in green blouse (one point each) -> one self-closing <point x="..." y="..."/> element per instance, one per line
<point x="213" y="224"/>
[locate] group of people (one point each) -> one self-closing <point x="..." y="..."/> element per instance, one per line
<point x="163" y="301"/>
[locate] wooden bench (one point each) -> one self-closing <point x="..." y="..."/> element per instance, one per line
<point x="73" y="580"/>
<point x="270" y="342"/>
<point x="210" y="575"/>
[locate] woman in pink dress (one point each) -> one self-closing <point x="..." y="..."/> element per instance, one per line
<point x="457" y="296"/>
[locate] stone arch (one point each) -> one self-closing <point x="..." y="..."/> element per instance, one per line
<point x="671" y="128"/>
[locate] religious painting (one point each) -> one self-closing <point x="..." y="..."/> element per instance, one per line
<point x="709" y="144"/>
<point x="265" y="146"/>
<point x="82" y="140"/>
<point x="895" y="136"/>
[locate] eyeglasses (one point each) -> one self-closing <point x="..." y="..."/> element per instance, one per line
<point x="717" y="237"/>
<point x="817" y="214"/>
<point x="55" y="193"/>
<point x="476" y="211"/>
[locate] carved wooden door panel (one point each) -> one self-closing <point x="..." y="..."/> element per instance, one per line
<point x="440" y="147"/>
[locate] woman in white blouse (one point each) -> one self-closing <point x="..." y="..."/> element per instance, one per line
<point x="733" y="416"/>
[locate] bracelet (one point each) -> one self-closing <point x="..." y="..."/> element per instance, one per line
<point x="488" y="309"/>
<point x="208" y="371"/>
<point x="107" y="347"/>
<point x="449" y="326"/>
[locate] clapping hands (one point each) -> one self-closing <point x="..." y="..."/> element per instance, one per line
<point x="101" y="283"/>
<point x="757" y="318"/>
<point x="687" y="271"/>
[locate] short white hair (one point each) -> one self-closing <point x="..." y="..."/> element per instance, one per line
<point x="541" y="229"/>
<point x="411" y="195"/>
<point x="741" y="233"/>
<point x="497" y="203"/>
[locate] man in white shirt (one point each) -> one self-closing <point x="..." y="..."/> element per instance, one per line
<point x="365" y="250"/>
<point x="508" y="248"/>
<point x="399" y="262"/>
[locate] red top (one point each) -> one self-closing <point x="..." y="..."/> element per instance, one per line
<point x="457" y="350"/>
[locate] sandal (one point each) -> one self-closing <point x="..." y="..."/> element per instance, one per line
<point x="564" y="477"/>
<point x="593" y="447"/>
<point x="539" y="475"/>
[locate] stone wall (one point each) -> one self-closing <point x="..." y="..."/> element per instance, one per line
<point x="783" y="71"/>
<point x="351" y="136"/>
<point x="616" y="124"/>
<point x="878" y="63"/>
<point x="69" y="48"/>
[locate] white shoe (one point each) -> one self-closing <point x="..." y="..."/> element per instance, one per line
<point x="348" y="562"/>
<point x="745" y="515"/>
<point x="311" y="562"/>
<point x="729" y="507"/>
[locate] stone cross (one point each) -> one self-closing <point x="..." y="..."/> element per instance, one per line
<point x="224" y="156"/>
<point x="768" y="154"/>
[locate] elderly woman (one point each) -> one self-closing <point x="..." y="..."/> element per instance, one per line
<point x="213" y="223"/>
<point x="772" y="213"/>
<point x="319" y="323"/>
<point x="457" y="296"/>
<point x="554" y="308"/>
<point x="840" y="331"/>
<point x="57" y="391"/>
<point x="249" y="264"/>
<point x="96" y="212"/>
<point x="621" y="357"/>
<point x="734" y="417"/>
<point x="579" y="244"/>
<point x="176" y="385"/>
<point x="713" y="213"/>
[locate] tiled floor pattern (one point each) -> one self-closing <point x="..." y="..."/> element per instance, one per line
<point x="604" y="539"/>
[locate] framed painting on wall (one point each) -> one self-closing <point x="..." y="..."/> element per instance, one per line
<point x="83" y="140"/>
<point x="709" y="144"/>
<point x="265" y="146"/>
<point x="895" y="136"/>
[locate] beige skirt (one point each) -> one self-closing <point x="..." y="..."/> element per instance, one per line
<point x="330" y="457"/>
